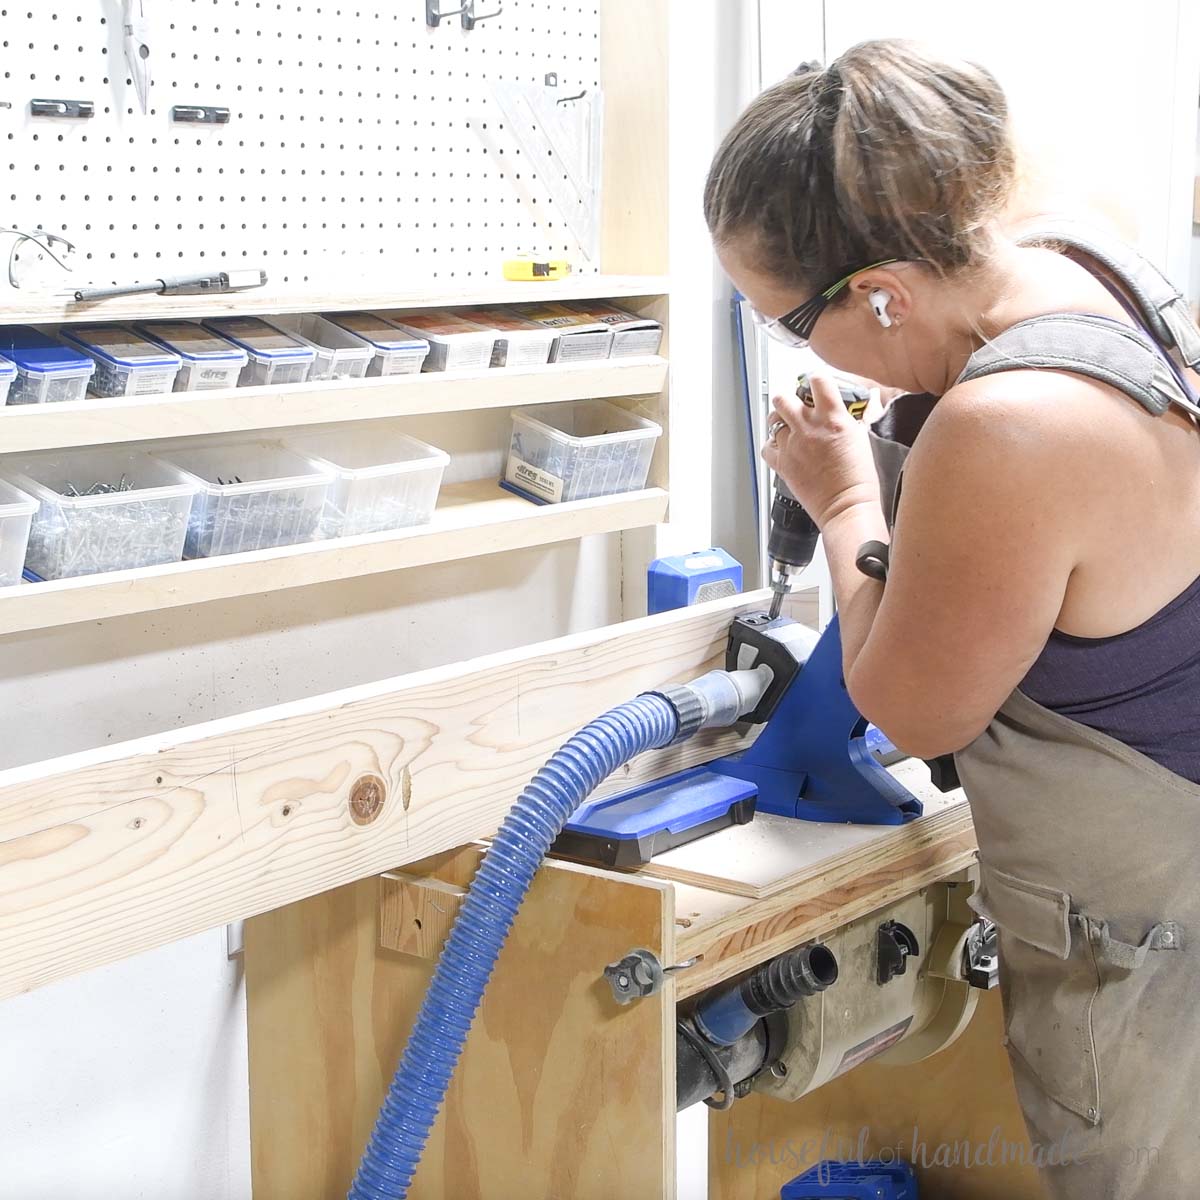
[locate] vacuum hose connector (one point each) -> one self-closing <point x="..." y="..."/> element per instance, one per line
<point x="725" y="1015"/>
<point x="717" y="699"/>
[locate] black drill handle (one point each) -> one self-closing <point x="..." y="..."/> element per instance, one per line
<point x="794" y="534"/>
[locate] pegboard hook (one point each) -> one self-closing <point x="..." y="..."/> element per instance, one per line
<point x="470" y="20"/>
<point x="435" y="15"/>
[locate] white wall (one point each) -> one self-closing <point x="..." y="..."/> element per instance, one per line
<point x="128" y="1083"/>
<point x="1103" y="96"/>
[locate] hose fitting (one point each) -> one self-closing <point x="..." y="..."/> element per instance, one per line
<point x="726" y="1015"/>
<point x="717" y="699"/>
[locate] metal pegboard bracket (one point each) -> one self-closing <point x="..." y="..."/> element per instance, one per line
<point x="201" y="114"/>
<point x="72" y="109"/>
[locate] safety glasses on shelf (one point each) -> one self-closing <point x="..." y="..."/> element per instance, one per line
<point x="795" y="328"/>
<point x="43" y="240"/>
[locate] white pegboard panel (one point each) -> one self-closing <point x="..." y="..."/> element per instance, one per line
<point x="363" y="145"/>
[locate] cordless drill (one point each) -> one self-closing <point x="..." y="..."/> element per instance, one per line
<point x="793" y="537"/>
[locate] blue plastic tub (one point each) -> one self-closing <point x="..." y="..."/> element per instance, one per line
<point x="853" y="1181"/>
<point x="8" y="372"/>
<point x="47" y="371"/>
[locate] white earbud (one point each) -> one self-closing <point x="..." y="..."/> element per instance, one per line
<point x="879" y="300"/>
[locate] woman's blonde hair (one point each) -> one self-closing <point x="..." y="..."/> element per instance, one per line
<point x="887" y="153"/>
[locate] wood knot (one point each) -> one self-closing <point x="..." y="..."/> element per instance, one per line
<point x="366" y="799"/>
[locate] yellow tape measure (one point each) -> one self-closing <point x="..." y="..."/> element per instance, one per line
<point x="526" y="269"/>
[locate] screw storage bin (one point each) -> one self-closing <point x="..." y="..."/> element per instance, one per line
<point x="381" y="480"/>
<point x="520" y="342"/>
<point x="16" y="515"/>
<point x="8" y="372"/>
<point x="209" y="362"/>
<point x="250" y="496"/>
<point x="396" y="352"/>
<point x="339" y="354"/>
<point x="454" y="343"/>
<point x="853" y="1181"/>
<point x="127" y="364"/>
<point x="577" y="337"/>
<point x="275" y="357"/>
<point x="573" y="451"/>
<point x="47" y="371"/>
<point x="108" y="509"/>
<point x="633" y="336"/>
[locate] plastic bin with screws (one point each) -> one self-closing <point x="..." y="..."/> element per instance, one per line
<point x="16" y="515"/>
<point x="8" y="372"/>
<point x="275" y="357"/>
<point x="250" y="496"/>
<point x="339" y="353"/>
<point x="127" y="364"/>
<point x="383" y="479"/>
<point x="396" y="352"/>
<point x="564" y="452"/>
<point x="101" y="510"/>
<point x="209" y="361"/>
<point x="47" y="371"/>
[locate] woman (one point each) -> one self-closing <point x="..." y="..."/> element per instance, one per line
<point x="1041" y="616"/>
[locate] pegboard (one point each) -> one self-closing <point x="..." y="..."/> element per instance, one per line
<point x="363" y="146"/>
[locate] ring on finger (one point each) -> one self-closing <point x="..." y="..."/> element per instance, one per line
<point x="774" y="428"/>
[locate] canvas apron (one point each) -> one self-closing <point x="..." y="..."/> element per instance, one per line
<point x="1089" y="853"/>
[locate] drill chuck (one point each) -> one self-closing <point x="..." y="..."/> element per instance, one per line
<point x="792" y="542"/>
<point x="793" y="538"/>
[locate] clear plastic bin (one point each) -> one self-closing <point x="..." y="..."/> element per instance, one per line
<point x="396" y="352"/>
<point x="520" y="342"/>
<point x="383" y="480"/>
<point x="275" y="357"/>
<point x="250" y="496"/>
<point x="339" y="353"/>
<point x="455" y="344"/>
<point x="8" y="372"/>
<point x="127" y="364"/>
<point x="16" y="514"/>
<point x="47" y="371"/>
<point x="101" y="510"/>
<point x="209" y="362"/>
<point x="571" y="451"/>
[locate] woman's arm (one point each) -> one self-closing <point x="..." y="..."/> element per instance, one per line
<point x="982" y="552"/>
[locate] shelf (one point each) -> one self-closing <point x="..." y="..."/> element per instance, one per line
<point x="18" y="309"/>
<point x="472" y="519"/>
<point x="95" y="422"/>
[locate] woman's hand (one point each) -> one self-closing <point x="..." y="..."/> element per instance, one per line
<point x="822" y="453"/>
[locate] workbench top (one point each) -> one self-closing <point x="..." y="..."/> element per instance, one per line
<point x="752" y="891"/>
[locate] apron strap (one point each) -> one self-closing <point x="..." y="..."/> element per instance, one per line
<point x="1166" y="935"/>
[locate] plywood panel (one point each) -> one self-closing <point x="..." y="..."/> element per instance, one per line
<point x="560" y="1092"/>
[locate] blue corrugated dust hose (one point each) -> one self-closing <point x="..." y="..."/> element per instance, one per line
<point x="483" y="923"/>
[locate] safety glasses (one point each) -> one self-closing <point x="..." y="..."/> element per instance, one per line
<point x="795" y="328"/>
<point x="40" y="243"/>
